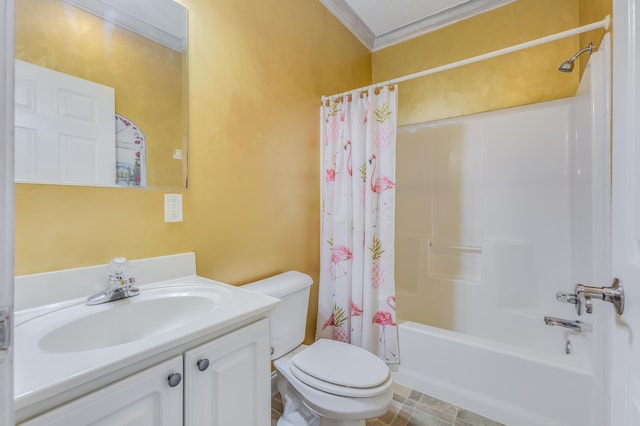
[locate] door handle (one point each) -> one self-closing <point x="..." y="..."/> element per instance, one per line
<point x="5" y="328"/>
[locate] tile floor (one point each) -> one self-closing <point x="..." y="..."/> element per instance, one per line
<point x="412" y="408"/>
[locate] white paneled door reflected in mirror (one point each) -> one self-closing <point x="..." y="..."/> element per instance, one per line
<point x="101" y="93"/>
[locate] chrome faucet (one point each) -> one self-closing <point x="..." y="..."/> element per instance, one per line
<point x="613" y="294"/>
<point x="120" y="285"/>
<point x="577" y="326"/>
<point x="583" y="296"/>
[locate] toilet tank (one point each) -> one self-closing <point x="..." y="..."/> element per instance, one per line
<point x="289" y="317"/>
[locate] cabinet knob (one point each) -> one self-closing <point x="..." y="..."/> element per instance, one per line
<point x="203" y="364"/>
<point x="174" y="379"/>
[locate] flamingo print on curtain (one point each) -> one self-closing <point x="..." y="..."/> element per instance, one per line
<point x="357" y="291"/>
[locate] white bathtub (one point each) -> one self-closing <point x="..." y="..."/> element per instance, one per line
<point x="498" y="381"/>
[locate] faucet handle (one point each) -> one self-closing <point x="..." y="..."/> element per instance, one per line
<point x="562" y="296"/>
<point x="581" y="300"/>
<point x="118" y="268"/>
<point x="119" y="285"/>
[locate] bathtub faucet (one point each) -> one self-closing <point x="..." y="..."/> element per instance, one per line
<point x="583" y="296"/>
<point x="120" y="285"/>
<point x="577" y="326"/>
<point x="613" y="294"/>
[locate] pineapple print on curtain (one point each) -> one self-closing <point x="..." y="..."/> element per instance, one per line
<point x="357" y="291"/>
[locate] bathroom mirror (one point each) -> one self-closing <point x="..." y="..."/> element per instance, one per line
<point x="101" y="92"/>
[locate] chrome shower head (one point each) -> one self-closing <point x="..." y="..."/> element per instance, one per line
<point x="567" y="66"/>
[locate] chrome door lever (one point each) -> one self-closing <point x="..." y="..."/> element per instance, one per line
<point x="5" y="328"/>
<point x="613" y="294"/>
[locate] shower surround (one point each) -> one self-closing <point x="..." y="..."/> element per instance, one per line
<point x="497" y="212"/>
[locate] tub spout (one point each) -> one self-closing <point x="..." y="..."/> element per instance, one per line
<point x="577" y="326"/>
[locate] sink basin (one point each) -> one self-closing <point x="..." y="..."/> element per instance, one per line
<point x="154" y="312"/>
<point x="126" y="321"/>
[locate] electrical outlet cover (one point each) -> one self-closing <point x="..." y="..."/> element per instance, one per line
<point x="173" y="207"/>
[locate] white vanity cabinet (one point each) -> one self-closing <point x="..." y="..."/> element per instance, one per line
<point x="227" y="380"/>
<point x="223" y="382"/>
<point x="77" y="364"/>
<point x="143" y="399"/>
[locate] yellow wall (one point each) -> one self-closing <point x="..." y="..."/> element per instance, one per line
<point x="518" y="78"/>
<point x="148" y="78"/>
<point x="257" y="71"/>
<point x="60" y="227"/>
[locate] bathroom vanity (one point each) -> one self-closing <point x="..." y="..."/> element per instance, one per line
<point x="187" y="350"/>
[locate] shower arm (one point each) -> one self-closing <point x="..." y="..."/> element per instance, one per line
<point x="589" y="49"/>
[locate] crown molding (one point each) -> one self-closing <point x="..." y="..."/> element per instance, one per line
<point x="348" y="17"/>
<point x="345" y="14"/>
<point x="434" y="22"/>
<point x="164" y="22"/>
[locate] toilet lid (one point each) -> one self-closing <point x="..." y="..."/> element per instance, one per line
<point x="338" y="389"/>
<point x="341" y="364"/>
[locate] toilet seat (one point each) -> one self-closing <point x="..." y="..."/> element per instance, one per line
<point x="338" y="390"/>
<point x="341" y="369"/>
<point x="329" y="405"/>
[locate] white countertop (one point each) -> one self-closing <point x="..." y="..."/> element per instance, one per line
<point x="44" y="379"/>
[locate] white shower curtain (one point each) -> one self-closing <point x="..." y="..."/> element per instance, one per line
<point x="357" y="291"/>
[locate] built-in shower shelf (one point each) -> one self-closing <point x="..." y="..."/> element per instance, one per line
<point x="455" y="262"/>
<point x="456" y="247"/>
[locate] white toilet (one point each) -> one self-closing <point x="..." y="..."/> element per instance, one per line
<point x="329" y="383"/>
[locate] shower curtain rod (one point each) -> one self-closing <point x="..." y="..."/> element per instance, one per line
<point x="564" y="34"/>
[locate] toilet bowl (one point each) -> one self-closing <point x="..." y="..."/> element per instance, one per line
<point x="364" y="392"/>
<point x="328" y="383"/>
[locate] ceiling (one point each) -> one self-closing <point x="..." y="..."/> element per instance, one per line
<point x="381" y="23"/>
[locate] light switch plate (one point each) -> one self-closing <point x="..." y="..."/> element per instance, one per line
<point x="173" y="207"/>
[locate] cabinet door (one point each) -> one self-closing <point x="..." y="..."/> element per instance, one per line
<point x="235" y="387"/>
<point x="143" y="399"/>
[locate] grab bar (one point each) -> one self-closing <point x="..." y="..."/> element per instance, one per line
<point x="577" y="326"/>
